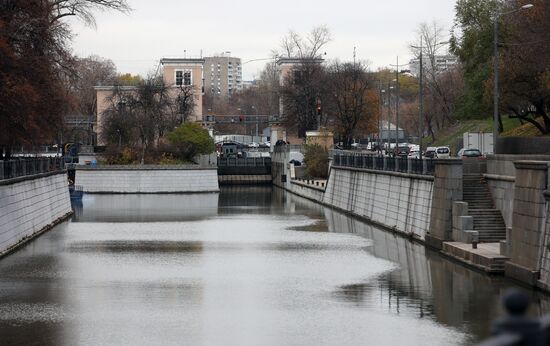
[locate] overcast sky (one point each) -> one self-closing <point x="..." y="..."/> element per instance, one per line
<point x="251" y="29"/>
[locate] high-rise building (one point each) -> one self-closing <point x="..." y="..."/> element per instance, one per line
<point x="439" y="64"/>
<point x="222" y="74"/>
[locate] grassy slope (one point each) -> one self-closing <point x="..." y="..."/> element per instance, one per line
<point x="450" y="135"/>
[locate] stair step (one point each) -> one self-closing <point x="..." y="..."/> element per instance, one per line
<point x="486" y="211"/>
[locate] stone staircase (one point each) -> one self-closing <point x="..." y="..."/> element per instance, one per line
<point x="488" y="221"/>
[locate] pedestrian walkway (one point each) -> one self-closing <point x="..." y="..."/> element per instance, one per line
<point x="485" y="257"/>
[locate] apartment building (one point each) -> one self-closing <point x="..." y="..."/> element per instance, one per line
<point x="439" y="64"/>
<point x="222" y="74"/>
<point x="176" y="72"/>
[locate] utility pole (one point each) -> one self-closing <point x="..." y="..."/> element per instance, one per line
<point x="397" y="107"/>
<point x="421" y="107"/>
<point x="397" y="102"/>
<point x="495" y="82"/>
<point x="380" y="107"/>
<point x="388" y="134"/>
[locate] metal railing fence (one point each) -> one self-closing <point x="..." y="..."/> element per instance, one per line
<point x="248" y="162"/>
<point x="382" y="163"/>
<point x="20" y="167"/>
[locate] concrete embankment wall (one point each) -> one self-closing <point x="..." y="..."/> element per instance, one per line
<point x="545" y="251"/>
<point x="501" y="177"/>
<point x="147" y="179"/>
<point x="394" y="200"/>
<point x="30" y="205"/>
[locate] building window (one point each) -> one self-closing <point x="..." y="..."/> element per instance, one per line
<point x="183" y="78"/>
<point x="187" y="78"/>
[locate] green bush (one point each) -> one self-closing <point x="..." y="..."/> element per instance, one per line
<point x="316" y="161"/>
<point x="190" y="140"/>
<point x="125" y="156"/>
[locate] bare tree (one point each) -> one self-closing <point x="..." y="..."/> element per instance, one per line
<point x="83" y="9"/>
<point x="309" y="46"/>
<point x="184" y="103"/>
<point x="90" y="72"/>
<point x="304" y="87"/>
<point x="353" y="98"/>
<point x="304" y="90"/>
<point x="140" y="114"/>
<point x="439" y="98"/>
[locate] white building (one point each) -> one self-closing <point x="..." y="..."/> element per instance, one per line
<point x="439" y="64"/>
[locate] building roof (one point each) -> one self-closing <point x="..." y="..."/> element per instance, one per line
<point x="165" y="61"/>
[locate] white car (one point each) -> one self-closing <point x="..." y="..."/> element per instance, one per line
<point x="253" y="145"/>
<point x="442" y="152"/>
<point x="414" y="154"/>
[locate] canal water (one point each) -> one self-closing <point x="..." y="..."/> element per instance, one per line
<point x="248" y="266"/>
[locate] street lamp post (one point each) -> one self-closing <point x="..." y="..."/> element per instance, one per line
<point x="420" y="106"/>
<point x="397" y="107"/>
<point x="397" y="103"/>
<point x="380" y="107"/>
<point x="421" y="95"/>
<point x="497" y="15"/>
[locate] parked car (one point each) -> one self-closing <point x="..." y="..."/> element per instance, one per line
<point x="430" y="152"/>
<point x="442" y="152"/>
<point x="469" y="152"/>
<point x="402" y="150"/>
<point x="414" y="154"/>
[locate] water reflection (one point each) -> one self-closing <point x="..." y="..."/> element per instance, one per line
<point x="249" y="266"/>
<point x="146" y="208"/>
<point x="426" y="283"/>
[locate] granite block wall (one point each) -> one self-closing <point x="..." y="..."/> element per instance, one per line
<point x="545" y="249"/>
<point x="502" y="191"/>
<point x="529" y="212"/>
<point x="29" y="205"/>
<point x="447" y="190"/>
<point x="396" y="200"/>
<point x="132" y="180"/>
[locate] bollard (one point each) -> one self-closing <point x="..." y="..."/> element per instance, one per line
<point x="474" y="244"/>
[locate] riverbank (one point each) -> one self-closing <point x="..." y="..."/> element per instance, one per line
<point x="434" y="209"/>
<point x="31" y="205"/>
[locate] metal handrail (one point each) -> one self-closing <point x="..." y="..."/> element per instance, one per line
<point x="20" y="167"/>
<point x="382" y="163"/>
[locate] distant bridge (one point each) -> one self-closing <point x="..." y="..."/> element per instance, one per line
<point x="244" y="171"/>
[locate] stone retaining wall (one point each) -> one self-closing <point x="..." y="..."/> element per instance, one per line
<point x="528" y="225"/>
<point x="502" y="190"/>
<point x="310" y="192"/>
<point x="396" y="200"/>
<point x="30" y="205"/>
<point x="545" y="252"/>
<point x="147" y="179"/>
